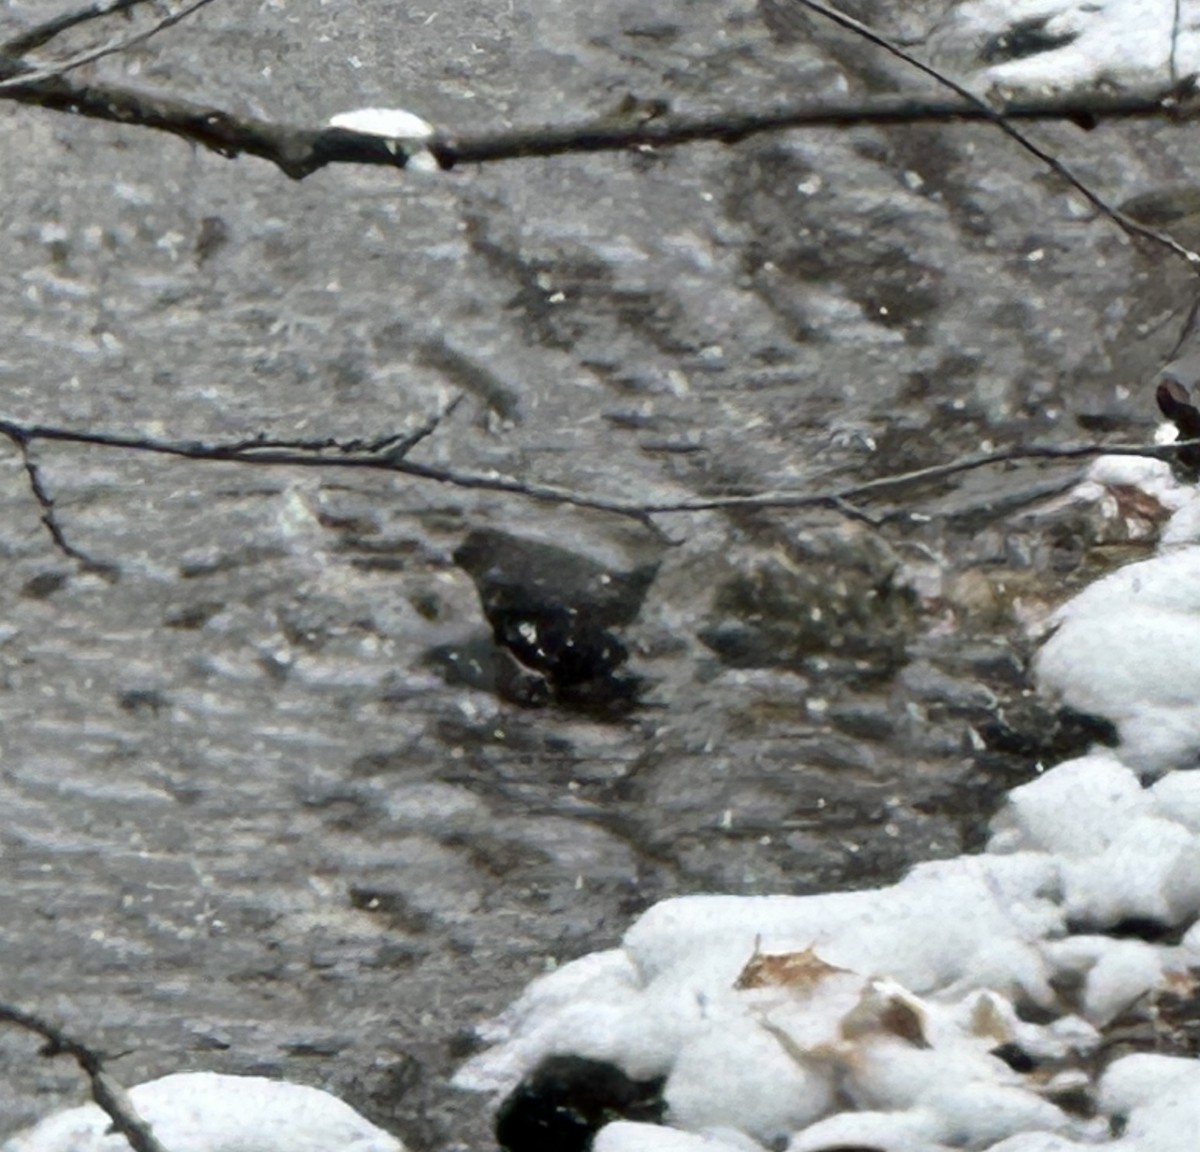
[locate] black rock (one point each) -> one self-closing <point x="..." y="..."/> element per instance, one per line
<point x="1036" y="731"/>
<point x="561" y="1105"/>
<point x="1015" y="1057"/>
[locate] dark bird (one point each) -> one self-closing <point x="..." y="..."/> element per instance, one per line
<point x="555" y="611"/>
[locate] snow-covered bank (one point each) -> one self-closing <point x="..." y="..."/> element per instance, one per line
<point x="1121" y="41"/>
<point x="968" y="1005"/>
<point x="206" y="1112"/>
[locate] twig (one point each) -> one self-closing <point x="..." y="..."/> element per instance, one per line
<point x="50" y="517"/>
<point x="1175" y="25"/>
<point x="398" y="447"/>
<point x="112" y="48"/>
<point x="1001" y="119"/>
<point x="316" y="454"/>
<point x="41" y="34"/>
<point x="108" y="1094"/>
<point x="1187" y="330"/>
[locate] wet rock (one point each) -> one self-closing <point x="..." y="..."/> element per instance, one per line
<point x="863" y="721"/>
<point x="562" y="1104"/>
<point x="1022" y="39"/>
<point x="554" y="610"/>
<point x="395" y="905"/>
<point x="835" y="597"/>
<point x="1032" y="730"/>
<point x="43" y="585"/>
<point x="480" y="664"/>
<point x="946" y="695"/>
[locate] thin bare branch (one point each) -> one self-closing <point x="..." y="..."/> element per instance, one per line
<point x="50" y="519"/>
<point x="113" y="47"/>
<point x="109" y="1095"/>
<point x="1175" y="27"/>
<point x="41" y="34"/>
<point x="1001" y="119"/>
<point x="397" y="447"/>
<point x="344" y="454"/>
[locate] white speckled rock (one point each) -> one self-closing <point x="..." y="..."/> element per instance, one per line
<point x="1123" y="40"/>
<point x="1177" y="797"/>
<point x="744" y="1077"/>
<point x="912" y="1131"/>
<point x="1075" y="809"/>
<point x="1124" y="973"/>
<point x="627" y="1136"/>
<point x="1128" y="648"/>
<point x="207" y="1112"/>
<point x="1159" y="1096"/>
<point x="1150" y="870"/>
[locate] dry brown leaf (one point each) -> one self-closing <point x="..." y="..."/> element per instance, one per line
<point x="800" y="971"/>
<point x="885" y="1009"/>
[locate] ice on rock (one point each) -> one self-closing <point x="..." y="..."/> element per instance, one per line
<point x="912" y="1131"/>
<point x="1177" y="797"/>
<point x="605" y="975"/>
<point x="641" y="1035"/>
<point x="746" y="1078"/>
<point x="1128" y="648"/>
<point x="207" y="1112"/>
<point x="1140" y="1079"/>
<point x="1158" y="1097"/>
<point x="598" y="987"/>
<point x="1183" y="528"/>
<point x="973" y="900"/>
<point x="1150" y="871"/>
<point x="1114" y="976"/>
<point x="1128" y="497"/>
<point x="629" y="1136"/>
<point x="1189" y="946"/>
<point x="1075" y="809"/>
<point x="1154" y="477"/>
<point x="1043" y="1142"/>
<point x="977" y="1114"/>
<point x="1125" y="972"/>
<point x="894" y="1078"/>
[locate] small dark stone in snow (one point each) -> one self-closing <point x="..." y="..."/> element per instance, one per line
<point x="561" y="1105"/>
<point x="1015" y="1057"/>
<point x="1023" y="39"/>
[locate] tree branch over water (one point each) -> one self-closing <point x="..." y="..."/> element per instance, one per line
<point x="299" y="151"/>
<point x="390" y="454"/>
<point x="23" y="74"/>
<point x="41" y="34"/>
<point x="112" y="1099"/>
